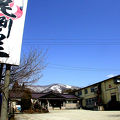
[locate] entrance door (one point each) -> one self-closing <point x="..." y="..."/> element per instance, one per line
<point x="56" y="103"/>
<point x="113" y="97"/>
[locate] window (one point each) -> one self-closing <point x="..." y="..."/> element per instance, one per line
<point x="96" y="89"/>
<point x="92" y="89"/>
<point x="113" y="97"/>
<point x="74" y="101"/>
<point x="86" y="91"/>
<point x="91" y="101"/>
<point x="80" y="92"/>
<point x="70" y="101"/>
<point x="87" y="102"/>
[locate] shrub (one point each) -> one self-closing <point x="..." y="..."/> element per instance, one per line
<point x="26" y="100"/>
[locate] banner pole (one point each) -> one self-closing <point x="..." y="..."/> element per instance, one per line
<point x="1" y="69"/>
<point x="5" y="93"/>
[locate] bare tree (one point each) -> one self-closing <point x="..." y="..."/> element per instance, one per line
<point x="30" y="68"/>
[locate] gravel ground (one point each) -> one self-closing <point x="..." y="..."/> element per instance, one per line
<point x="71" y="115"/>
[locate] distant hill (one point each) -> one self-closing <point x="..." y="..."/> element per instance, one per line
<point x="59" y="88"/>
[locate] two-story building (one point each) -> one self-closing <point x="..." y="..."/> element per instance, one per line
<point x="104" y="94"/>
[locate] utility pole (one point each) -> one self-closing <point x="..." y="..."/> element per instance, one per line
<point x="5" y="93"/>
<point x="1" y="69"/>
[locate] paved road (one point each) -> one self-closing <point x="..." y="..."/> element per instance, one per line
<point x="72" y="115"/>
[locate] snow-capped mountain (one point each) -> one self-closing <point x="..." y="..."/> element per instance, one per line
<point x="53" y="87"/>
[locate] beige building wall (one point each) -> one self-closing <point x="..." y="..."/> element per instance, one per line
<point x="88" y="95"/>
<point x="108" y="89"/>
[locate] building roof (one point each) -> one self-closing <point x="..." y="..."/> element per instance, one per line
<point x="16" y="95"/>
<point x="37" y="95"/>
<point x="48" y="95"/>
<point x="68" y="96"/>
<point x="52" y="95"/>
<point x="98" y="82"/>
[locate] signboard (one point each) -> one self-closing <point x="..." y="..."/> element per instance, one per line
<point x="12" y="17"/>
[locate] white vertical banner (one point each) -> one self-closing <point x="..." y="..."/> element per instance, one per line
<point x="12" y="18"/>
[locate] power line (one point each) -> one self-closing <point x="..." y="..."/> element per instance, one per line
<point x="72" y="43"/>
<point x="64" y="67"/>
<point x="83" y="70"/>
<point x="72" y="39"/>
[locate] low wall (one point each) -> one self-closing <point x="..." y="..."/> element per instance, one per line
<point x="71" y="106"/>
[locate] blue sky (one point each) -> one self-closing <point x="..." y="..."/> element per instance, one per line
<point x="82" y="38"/>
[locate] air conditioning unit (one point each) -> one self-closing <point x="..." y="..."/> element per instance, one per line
<point x="117" y="80"/>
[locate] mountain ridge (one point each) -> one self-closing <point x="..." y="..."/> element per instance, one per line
<point x="57" y="87"/>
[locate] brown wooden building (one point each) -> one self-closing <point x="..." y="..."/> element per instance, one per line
<point x="49" y="100"/>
